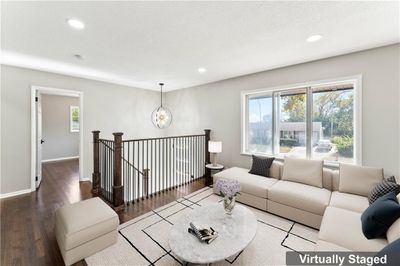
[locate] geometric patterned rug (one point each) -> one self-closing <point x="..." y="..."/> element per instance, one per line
<point x="144" y="240"/>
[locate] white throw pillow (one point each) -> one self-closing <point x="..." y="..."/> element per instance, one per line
<point x="304" y="171"/>
<point x="358" y="179"/>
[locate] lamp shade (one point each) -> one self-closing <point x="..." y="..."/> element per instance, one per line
<point x="215" y="146"/>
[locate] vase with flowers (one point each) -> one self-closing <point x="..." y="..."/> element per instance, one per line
<point x="228" y="189"/>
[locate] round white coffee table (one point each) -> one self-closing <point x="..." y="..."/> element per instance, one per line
<point x="235" y="233"/>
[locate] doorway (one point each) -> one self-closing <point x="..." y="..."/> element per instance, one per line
<point x="73" y="116"/>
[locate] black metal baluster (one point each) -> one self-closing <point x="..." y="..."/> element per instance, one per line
<point x="180" y="161"/>
<point x="151" y="168"/>
<point x="164" y="165"/>
<point x="159" y="165"/>
<point x="134" y="171"/>
<point x="168" y="164"/>
<point x="174" y="164"/>
<point x="191" y="159"/>
<point x="197" y="157"/>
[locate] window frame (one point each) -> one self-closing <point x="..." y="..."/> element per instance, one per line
<point x="356" y="81"/>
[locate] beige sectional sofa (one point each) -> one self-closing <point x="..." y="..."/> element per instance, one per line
<point x="318" y="202"/>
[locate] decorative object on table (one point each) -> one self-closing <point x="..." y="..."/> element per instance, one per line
<point x="261" y="165"/>
<point x="229" y="189"/>
<point x="205" y="235"/>
<point x="382" y="188"/>
<point x="215" y="147"/>
<point x="161" y="116"/>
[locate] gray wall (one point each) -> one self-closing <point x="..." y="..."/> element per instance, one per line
<point x="107" y="107"/>
<point x="217" y="105"/>
<point x="59" y="141"/>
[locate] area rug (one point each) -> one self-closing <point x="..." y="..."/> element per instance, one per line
<point x="144" y="240"/>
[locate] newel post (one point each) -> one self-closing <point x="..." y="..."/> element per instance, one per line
<point x="96" y="164"/>
<point x="207" y="171"/>
<point x="118" y="189"/>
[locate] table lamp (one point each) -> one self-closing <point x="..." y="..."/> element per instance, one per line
<point x="215" y="147"/>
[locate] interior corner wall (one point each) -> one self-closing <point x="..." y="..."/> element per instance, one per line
<point x="106" y="107"/>
<point x="59" y="141"/>
<point x="217" y="105"/>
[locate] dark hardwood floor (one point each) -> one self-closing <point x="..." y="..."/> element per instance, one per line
<point x="27" y="221"/>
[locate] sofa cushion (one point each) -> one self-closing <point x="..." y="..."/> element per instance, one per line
<point x="348" y="201"/>
<point x="276" y="169"/>
<point x="261" y="165"/>
<point x="303" y="171"/>
<point x="358" y="179"/>
<point x="251" y="184"/>
<point x="335" y="180"/>
<point x="380" y="215"/>
<point x="84" y="221"/>
<point x="303" y="197"/>
<point x="382" y="188"/>
<point x="343" y="228"/>
<point x="327" y="178"/>
<point x="328" y="246"/>
<point x="393" y="233"/>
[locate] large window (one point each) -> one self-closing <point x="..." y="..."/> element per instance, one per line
<point x="259" y="126"/>
<point x="312" y="121"/>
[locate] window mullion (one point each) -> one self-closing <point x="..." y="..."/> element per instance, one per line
<point x="275" y="121"/>
<point x="309" y="122"/>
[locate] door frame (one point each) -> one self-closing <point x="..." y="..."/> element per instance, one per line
<point x="60" y="92"/>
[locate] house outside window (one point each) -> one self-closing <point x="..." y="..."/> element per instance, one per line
<point x="319" y="120"/>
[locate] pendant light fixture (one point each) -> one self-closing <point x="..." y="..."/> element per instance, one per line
<point x="161" y="116"/>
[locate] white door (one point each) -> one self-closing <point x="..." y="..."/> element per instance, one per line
<point x="39" y="140"/>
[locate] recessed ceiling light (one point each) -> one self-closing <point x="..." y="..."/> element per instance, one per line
<point x="314" y="38"/>
<point x="201" y="70"/>
<point x="75" y="23"/>
<point x="78" y="56"/>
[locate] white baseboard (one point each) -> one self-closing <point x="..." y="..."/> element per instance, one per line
<point x="15" y="193"/>
<point x="85" y="179"/>
<point x="60" y="159"/>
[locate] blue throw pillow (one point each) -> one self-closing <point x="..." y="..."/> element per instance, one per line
<point x="380" y="215"/>
<point x="392" y="251"/>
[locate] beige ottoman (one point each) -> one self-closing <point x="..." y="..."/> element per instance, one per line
<point x="84" y="228"/>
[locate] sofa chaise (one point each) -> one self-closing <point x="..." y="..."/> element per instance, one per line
<point x="306" y="192"/>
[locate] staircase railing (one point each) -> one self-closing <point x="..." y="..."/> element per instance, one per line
<point x="126" y="171"/>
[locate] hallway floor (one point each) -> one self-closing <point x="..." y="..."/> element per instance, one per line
<point x="27" y="221"/>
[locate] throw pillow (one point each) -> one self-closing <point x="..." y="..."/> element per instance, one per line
<point x="261" y="165"/>
<point x="303" y="171"/>
<point x="358" y="180"/>
<point x="392" y="251"/>
<point x="391" y="179"/>
<point x="383" y="188"/>
<point x="380" y="215"/>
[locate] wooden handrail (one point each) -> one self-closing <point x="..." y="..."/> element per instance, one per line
<point x="172" y="137"/>
<point x="122" y="157"/>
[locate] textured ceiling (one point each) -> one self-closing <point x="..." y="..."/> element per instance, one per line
<point x="142" y="43"/>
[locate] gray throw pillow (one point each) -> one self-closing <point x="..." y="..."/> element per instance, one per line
<point x="382" y="188"/>
<point x="261" y="165"/>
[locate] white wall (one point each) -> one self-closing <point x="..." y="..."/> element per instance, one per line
<point x="217" y="105"/>
<point x="112" y="108"/>
<point x="107" y="107"/>
<point x="59" y="141"/>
